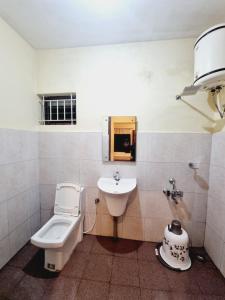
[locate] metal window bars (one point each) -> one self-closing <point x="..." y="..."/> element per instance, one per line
<point x="57" y="109"/>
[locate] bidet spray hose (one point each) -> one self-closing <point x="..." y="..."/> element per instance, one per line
<point x="95" y="217"/>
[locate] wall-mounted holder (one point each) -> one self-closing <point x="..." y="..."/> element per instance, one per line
<point x="213" y="92"/>
<point x="173" y="194"/>
<point x="193" y="165"/>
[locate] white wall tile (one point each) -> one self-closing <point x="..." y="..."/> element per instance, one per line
<point x="214" y="245"/>
<point x="47" y="196"/>
<point x="199" y="207"/>
<point x="69" y="170"/>
<point x="91" y="145"/>
<point x="3" y="220"/>
<point x="91" y="193"/>
<point x="215" y="216"/>
<point x="34" y="200"/>
<point x="135" y="205"/>
<point x="89" y="220"/>
<point x="197" y="234"/>
<point x="143" y="175"/>
<point x="132" y="228"/>
<point x="90" y="172"/>
<point x="46" y="214"/>
<point x="222" y="267"/>
<point x="51" y="144"/>
<point x="35" y="222"/>
<point x="5" y="251"/>
<point x="19" y="195"/>
<point x="18" y="210"/>
<point x="217" y="179"/>
<point x="218" y="149"/>
<point x="154" y="228"/>
<point x="171" y="147"/>
<point x="49" y="168"/>
<point x="59" y="144"/>
<point x="155" y="205"/>
<point x="143" y="146"/>
<point x="13" y="180"/>
<point x="19" y="237"/>
<point x="106" y="225"/>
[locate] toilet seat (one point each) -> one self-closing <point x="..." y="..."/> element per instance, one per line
<point x="67" y="199"/>
<point x="55" y="232"/>
<point x="60" y="235"/>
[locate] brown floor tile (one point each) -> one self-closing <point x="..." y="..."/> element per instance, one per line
<point x="86" y="244"/>
<point x="211" y="282"/>
<point x="208" y="297"/>
<point x="9" y="278"/>
<point x="76" y="265"/>
<point x="155" y="295"/>
<point x="23" y="256"/>
<point x="92" y="290"/>
<point x="125" y="272"/>
<point x="183" y="282"/>
<point x="196" y="264"/>
<point x="153" y="276"/>
<point x="184" y="296"/>
<point x="30" y="288"/>
<point x="118" y="292"/>
<point x="147" y="252"/>
<point x="103" y="245"/>
<point x="62" y="288"/>
<point x="99" y="260"/>
<point x="99" y="268"/>
<point x="127" y="248"/>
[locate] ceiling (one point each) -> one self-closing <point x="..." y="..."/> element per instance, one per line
<point x="72" y="23"/>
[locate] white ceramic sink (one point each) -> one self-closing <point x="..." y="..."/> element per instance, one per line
<point x="116" y="193"/>
<point x="111" y="186"/>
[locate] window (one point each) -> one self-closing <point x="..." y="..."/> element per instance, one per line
<point x="58" y="109"/>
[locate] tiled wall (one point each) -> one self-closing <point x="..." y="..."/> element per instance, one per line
<point x="215" y="224"/>
<point x="19" y="197"/>
<point x="77" y="157"/>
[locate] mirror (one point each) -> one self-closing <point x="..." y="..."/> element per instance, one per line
<point x="119" y="138"/>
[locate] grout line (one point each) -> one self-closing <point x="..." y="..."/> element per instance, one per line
<point x="19" y="161"/>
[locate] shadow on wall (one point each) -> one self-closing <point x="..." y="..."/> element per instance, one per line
<point x="180" y="211"/>
<point x="203" y="184"/>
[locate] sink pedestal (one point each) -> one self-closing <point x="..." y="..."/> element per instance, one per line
<point x="115" y="228"/>
<point x="116" y="204"/>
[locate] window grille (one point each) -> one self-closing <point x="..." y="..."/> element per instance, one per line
<point x="58" y="109"/>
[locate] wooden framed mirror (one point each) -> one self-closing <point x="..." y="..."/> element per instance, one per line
<point x="119" y="143"/>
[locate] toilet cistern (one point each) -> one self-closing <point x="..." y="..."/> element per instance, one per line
<point x="116" y="192"/>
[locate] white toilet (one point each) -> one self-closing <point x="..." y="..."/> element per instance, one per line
<point x="60" y="235"/>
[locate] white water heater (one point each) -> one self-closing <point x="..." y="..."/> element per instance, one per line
<point x="209" y="56"/>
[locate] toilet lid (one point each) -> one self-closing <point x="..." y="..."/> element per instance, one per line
<point x="67" y="199"/>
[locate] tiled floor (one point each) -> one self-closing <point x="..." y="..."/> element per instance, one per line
<point x="101" y="268"/>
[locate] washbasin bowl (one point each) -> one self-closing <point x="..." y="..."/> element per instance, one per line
<point x="111" y="186"/>
<point x="116" y="193"/>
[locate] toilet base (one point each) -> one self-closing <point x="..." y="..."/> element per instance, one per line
<point x="56" y="258"/>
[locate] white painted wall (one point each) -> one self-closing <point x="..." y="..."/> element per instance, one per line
<point x="19" y="106"/>
<point x="139" y="79"/>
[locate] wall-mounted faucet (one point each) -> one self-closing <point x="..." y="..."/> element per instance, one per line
<point x="174" y="193"/>
<point x="116" y="176"/>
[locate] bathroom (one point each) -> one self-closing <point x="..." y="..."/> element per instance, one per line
<point x="111" y="59"/>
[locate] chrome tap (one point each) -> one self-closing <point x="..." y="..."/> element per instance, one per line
<point x="116" y="176"/>
<point x="174" y="194"/>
